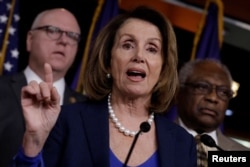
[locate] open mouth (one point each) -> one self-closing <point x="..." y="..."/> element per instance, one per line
<point x="136" y="73"/>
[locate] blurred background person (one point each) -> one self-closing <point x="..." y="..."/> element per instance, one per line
<point x="202" y="101"/>
<point x="53" y="38"/>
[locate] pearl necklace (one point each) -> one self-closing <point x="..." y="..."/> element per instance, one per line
<point x="119" y="126"/>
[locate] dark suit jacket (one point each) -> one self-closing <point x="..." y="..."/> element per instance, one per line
<point x="11" y="118"/>
<point x="81" y="138"/>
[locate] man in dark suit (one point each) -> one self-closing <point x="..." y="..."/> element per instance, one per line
<point x="203" y="98"/>
<point x="53" y="38"/>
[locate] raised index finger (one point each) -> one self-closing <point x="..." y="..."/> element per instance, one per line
<point x="48" y="75"/>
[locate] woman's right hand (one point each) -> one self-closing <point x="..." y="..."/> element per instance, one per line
<point x="41" y="107"/>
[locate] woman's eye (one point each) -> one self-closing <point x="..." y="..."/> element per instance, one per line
<point x="127" y="46"/>
<point x="152" y="49"/>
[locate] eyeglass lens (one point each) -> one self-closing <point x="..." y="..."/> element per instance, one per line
<point x="206" y="88"/>
<point x="55" y="33"/>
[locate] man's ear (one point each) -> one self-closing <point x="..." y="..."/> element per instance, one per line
<point x="29" y="40"/>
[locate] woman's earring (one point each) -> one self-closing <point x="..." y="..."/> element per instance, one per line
<point x="108" y="75"/>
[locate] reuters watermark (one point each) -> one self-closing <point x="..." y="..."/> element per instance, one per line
<point x="228" y="158"/>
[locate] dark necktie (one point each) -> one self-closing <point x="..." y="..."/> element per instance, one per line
<point x="201" y="153"/>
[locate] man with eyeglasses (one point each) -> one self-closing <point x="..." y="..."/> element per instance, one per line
<point x="202" y="100"/>
<point x="53" y="38"/>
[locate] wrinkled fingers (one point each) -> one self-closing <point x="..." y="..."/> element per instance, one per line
<point x="45" y="91"/>
<point x="31" y="90"/>
<point x="55" y="98"/>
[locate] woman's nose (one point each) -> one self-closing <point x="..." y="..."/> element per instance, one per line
<point x="139" y="58"/>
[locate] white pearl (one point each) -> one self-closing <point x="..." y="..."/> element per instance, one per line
<point x="118" y="124"/>
<point x="132" y="133"/>
<point x="112" y="115"/>
<point x="126" y="132"/>
<point x="122" y="129"/>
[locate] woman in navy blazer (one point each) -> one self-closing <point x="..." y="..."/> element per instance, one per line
<point x="131" y="78"/>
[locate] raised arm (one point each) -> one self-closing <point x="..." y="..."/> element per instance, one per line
<point x="41" y="107"/>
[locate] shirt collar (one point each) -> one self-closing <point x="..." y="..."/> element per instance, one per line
<point x="194" y="133"/>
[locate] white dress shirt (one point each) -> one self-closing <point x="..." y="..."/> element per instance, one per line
<point x="194" y="133"/>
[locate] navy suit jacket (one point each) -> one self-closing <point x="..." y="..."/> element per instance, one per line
<point x="81" y="138"/>
<point x="11" y="119"/>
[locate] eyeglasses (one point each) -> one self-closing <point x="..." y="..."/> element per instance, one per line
<point x="55" y="33"/>
<point x="205" y="88"/>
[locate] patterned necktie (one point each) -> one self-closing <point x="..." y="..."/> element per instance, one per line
<point x="201" y="153"/>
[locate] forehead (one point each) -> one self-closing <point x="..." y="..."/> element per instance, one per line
<point x="210" y="72"/>
<point x="60" y="18"/>
<point x="137" y="26"/>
